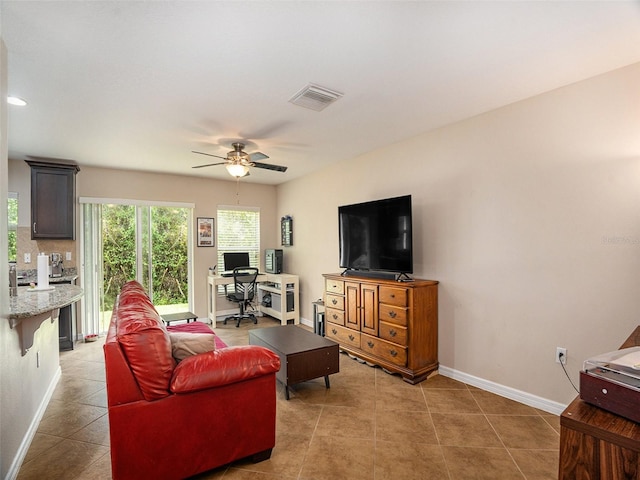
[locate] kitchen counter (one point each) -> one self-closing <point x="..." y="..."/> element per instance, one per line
<point x="31" y="307"/>
<point x="29" y="303"/>
<point x="68" y="277"/>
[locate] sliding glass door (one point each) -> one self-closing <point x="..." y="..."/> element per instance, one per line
<point x="147" y="243"/>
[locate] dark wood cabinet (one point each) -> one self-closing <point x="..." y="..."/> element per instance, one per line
<point x="66" y="323"/>
<point x="53" y="192"/>
<point x="596" y="444"/>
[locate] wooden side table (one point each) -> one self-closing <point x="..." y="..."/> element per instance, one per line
<point x="596" y="444"/>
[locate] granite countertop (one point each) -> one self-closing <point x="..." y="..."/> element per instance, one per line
<point x="31" y="276"/>
<point x="30" y="302"/>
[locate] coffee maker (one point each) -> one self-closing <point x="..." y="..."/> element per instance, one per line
<point x="56" y="265"/>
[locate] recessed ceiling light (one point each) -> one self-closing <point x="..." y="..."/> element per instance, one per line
<point x="16" y="101"/>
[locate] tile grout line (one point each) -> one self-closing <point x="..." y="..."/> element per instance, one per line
<point x="486" y="417"/>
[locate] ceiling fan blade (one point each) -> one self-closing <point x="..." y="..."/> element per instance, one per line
<point x="269" y="166"/>
<point x="257" y="156"/>
<point x="209" y="154"/>
<point x="209" y="164"/>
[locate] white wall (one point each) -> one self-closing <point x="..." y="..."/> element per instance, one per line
<point x="25" y="388"/>
<point x="529" y="216"/>
<point x="6" y="450"/>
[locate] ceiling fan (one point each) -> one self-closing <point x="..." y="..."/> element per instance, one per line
<point x="238" y="161"/>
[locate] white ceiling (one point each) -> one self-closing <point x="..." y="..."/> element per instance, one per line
<point x="139" y="85"/>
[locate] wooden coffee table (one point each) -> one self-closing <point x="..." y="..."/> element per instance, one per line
<point x="303" y="355"/>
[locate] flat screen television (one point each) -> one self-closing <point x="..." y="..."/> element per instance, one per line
<point x="377" y="236"/>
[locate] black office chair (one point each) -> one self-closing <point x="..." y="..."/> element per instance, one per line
<point x="244" y="281"/>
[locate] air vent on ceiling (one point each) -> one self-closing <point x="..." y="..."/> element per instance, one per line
<point x="315" y="97"/>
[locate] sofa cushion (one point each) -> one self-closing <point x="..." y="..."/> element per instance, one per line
<point x="145" y="342"/>
<point x="185" y="344"/>
<point x="223" y="367"/>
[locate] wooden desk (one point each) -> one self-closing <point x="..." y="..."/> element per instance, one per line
<point x="596" y="444"/>
<point x="286" y="284"/>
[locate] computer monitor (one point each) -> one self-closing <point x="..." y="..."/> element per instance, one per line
<point x="235" y="259"/>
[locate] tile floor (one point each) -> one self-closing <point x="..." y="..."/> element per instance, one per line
<point x="368" y="426"/>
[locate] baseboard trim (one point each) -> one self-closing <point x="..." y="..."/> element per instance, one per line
<point x="504" y="391"/>
<point x="308" y="323"/>
<point x="14" y="469"/>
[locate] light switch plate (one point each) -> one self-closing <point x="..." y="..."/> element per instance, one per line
<point x="68" y="256"/>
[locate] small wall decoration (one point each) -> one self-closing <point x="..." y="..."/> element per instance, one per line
<point x="206" y="232"/>
<point x="286" y="228"/>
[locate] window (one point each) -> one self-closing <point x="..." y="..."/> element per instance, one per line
<point x="143" y="240"/>
<point x="13" y="226"/>
<point x="239" y="231"/>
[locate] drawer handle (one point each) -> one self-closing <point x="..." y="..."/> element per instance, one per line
<point x="334" y="301"/>
<point x="392" y="314"/>
<point x="352" y="338"/>
<point x="370" y="344"/>
<point x="335" y="317"/>
<point x="393" y="353"/>
<point x="393" y="295"/>
<point x="392" y="332"/>
<point x="334" y="331"/>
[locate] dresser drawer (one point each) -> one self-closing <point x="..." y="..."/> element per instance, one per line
<point x="391" y="314"/>
<point x="334" y="301"/>
<point x="394" y="296"/>
<point x="342" y="335"/>
<point x="393" y="333"/>
<point x="383" y="349"/>
<point x="334" y="316"/>
<point x="334" y="286"/>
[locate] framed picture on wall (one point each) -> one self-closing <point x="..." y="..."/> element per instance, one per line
<point x="206" y="232"/>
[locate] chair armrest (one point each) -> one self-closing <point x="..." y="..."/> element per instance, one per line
<point x="223" y="367"/>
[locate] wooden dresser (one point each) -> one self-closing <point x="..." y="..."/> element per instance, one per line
<point x="385" y="322"/>
<point x="596" y="444"/>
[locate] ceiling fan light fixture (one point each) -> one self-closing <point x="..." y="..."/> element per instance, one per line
<point x="237" y="170"/>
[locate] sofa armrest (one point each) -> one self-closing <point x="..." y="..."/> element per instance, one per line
<point x="223" y="367"/>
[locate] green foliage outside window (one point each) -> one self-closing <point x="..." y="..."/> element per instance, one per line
<point x="169" y="241"/>
<point x="13" y="228"/>
<point x="168" y="252"/>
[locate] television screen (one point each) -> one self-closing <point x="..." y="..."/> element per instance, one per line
<point x="377" y="235"/>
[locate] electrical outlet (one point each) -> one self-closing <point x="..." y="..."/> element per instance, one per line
<point x="68" y="257"/>
<point x="561" y="355"/>
<point x="27" y="258"/>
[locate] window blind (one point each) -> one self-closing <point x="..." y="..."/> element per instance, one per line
<point x="239" y="231"/>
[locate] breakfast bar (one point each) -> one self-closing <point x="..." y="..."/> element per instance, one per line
<point x="31" y="307"/>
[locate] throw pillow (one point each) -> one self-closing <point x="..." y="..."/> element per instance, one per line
<point x="184" y="345"/>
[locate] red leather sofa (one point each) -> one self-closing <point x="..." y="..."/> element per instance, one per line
<point x="173" y="420"/>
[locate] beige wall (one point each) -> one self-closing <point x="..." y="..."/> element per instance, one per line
<point x="529" y="216"/>
<point x="206" y="194"/>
